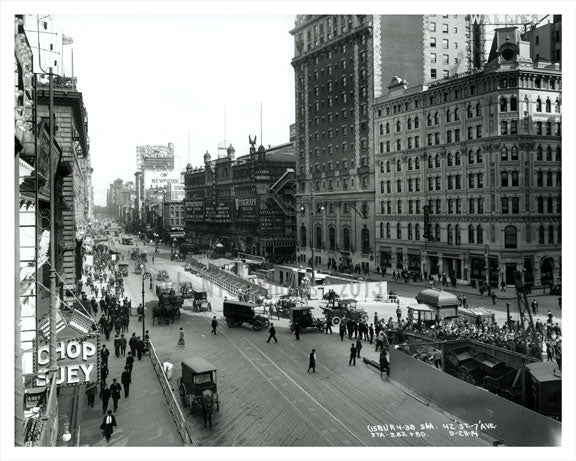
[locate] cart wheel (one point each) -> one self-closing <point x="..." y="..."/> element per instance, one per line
<point x="256" y="326"/>
<point x="365" y="317"/>
<point x="230" y="322"/>
<point x="265" y="323"/>
<point x="336" y="321"/>
<point x="291" y="328"/>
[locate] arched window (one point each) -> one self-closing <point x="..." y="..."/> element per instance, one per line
<point x="510" y="237"/>
<point x="557" y="105"/>
<point x="448" y="116"/>
<point x="457" y="158"/>
<point x="409" y="163"/>
<point x="346" y="238"/>
<point x="514" y="153"/>
<point x="551" y="235"/>
<point x="457" y="236"/>
<point x="478" y="110"/>
<point x="437" y="161"/>
<point x="558" y="154"/>
<point x="417" y="231"/>
<point x="504" y="179"/>
<point x="449" y="232"/>
<point x="449" y="158"/>
<point x="429" y="119"/>
<point x="541" y="235"/>
<point x="381" y="230"/>
<point x="470" y="157"/>
<point x="409" y="123"/>
<point x="469" y="111"/>
<point x="548" y="154"/>
<point x="470" y="233"/>
<point x="388" y="234"/>
<point x="303" y="236"/>
<point x="416" y="122"/>
<point x="503" y="105"/>
<point x="381" y="129"/>
<point x="436" y="119"/>
<point x="332" y="237"/>
<point x="388" y="166"/>
<point x="387" y="128"/>
<point x="398" y="165"/>
<point x="479" y="156"/>
<point x="417" y="163"/>
<point x="365" y="239"/>
<point x="398" y="125"/>
<point x="539" y="153"/>
<point x="410" y="236"/>
<point x="479" y="234"/>
<point x="548" y="106"/>
<point x="398" y="231"/>
<point x="504" y="154"/>
<point x="456" y="114"/>
<point x="513" y="104"/>
<point x="430" y="161"/>
<point x="559" y="234"/>
<point x="381" y="167"/>
<point x="318" y="237"/>
<point x="538" y="105"/>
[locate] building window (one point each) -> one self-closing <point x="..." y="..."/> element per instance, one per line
<point x="510" y="237"/>
<point x="445" y="43"/>
<point x="513" y="104"/>
<point x="551" y="235"/>
<point x="398" y="231"/>
<point x="416" y="122"/>
<point x="541" y="235"/>
<point x="471" y="206"/>
<point x="504" y="205"/>
<point x="432" y="73"/>
<point x="515" y="205"/>
<point x="538" y="128"/>
<point x="548" y="128"/>
<point x="445" y="59"/>
<point x="449" y="233"/>
<point x="410" y="236"/>
<point x="503" y="105"/>
<point x="540" y="205"/>
<point x="538" y="105"/>
<point x="433" y="58"/>
<point x="445" y="74"/>
<point x="432" y="42"/>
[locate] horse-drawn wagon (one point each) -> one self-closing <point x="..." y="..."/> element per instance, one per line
<point x="198" y="387"/>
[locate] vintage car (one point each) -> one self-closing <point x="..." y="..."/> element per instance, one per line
<point x="162" y="275"/>
<point x="198" y="386"/>
<point x="200" y="303"/>
<point x="344" y="308"/>
<point x="127" y="241"/>
<point x="123" y="269"/>
<point x="238" y="312"/>
<point x="187" y="290"/>
<point x="304" y="318"/>
<point x="135" y="254"/>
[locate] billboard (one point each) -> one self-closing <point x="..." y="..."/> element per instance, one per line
<point x="155" y="157"/>
<point x="157" y="178"/>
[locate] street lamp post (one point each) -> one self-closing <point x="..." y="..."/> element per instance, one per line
<point x="145" y="275"/>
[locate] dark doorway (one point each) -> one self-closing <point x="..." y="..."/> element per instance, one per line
<point x="547" y="271"/>
<point x="510" y="270"/>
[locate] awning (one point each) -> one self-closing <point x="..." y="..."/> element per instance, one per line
<point x="421" y="307"/>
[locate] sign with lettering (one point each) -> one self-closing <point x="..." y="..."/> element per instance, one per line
<point x="76" y="358"/>
<point x="157" y="178"/>
<point x="245" y="209"/>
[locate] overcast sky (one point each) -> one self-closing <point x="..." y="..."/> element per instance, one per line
<point x="154" y="79"/>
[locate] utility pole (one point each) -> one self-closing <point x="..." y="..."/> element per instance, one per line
<point x="53" y="297"/>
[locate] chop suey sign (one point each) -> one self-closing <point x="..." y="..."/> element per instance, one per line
<point x="77" y="362"/>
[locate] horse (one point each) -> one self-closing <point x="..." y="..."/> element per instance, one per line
<point x="207" y="405"/>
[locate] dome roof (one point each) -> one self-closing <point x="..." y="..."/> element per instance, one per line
<point x="231" y="148"/>
<point x="188" y="166"/>
<point x="437" y="298"/>
<point x="261" y="149"/>
<point x="207" y="155"/>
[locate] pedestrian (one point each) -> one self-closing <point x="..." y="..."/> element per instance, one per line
<point x="352" y="360"/>
<point x="297" y="331"/>
<point x="123" y="344"/>
<point x="181" y="341"/>
<point x="103" y="373"/>
<point x="152" y="259"/>
<point x="503" y="286"/>
<point x="91" y="389"/>
<point x="493" y="298"/>
<point x="398" y="314"/>
<point x="107" y="425"/>
<point x="272" y="332"/>
<point x="358" y="346"/>
<point x="105" y="395"/>
<point x="132" y="344"/>
<point x="312" y="362"/>
<point x="384" y="363"/>
<point x="371" y="333"/>
<point x="214" y="325"/>
<point x="115" y="389"/>
<point x="464" y="303"/>
<point x="550" y="317"/>
<point x="129" y="362"/>
<point x="104" y="353"/>
<point x="375" y="318"/>
<point x="117" y="346"/>
<point x="139" y="347"/>
<point x="328" y="326"/>
<point x="342" y="330"/>
<point x="126" y="379"/>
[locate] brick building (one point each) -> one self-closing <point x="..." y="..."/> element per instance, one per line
<point x="482" y="151"/>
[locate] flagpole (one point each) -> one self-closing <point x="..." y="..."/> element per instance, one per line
<point x="62" y="54"/>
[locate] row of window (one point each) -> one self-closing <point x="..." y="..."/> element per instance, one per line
<point x="345" y="242"/>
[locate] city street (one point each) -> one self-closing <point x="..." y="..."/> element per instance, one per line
<point x="267" y="398"/>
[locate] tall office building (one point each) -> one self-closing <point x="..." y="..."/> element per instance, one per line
<point x="469" y="171"/>
<point x="341" y="64"/>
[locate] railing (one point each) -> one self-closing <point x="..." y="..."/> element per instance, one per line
<point x="170" y="398"/>
<point x="49" y="420"/>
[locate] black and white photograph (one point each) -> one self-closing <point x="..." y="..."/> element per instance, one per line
<point x="307" y="230"/>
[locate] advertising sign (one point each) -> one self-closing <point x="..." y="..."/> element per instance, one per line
<point x="156" y="178"/>
<point x="76" y="358"/>
<point x="194" y="209"/>
<point x="245" y="209"/>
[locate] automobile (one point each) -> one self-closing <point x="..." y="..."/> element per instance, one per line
<point x="304" y="318"/>
<point x="135" y="254"/>
<point x="138" y="269"/>
<point x="344" y="308"/>
<point x="127" y="241"/>
<point x="238" y="312"/>
<point x="123" y="268"/>
<point x="162" y="275"/>
<point x="200" y="303"/>
<point x="198" y="386"/>
<point x="187" y="290"/>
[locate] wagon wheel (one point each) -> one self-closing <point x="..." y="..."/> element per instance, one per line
<point x="183" y="393"/>
<point x="336" y="321"/>
<point x="291" y="328"/>
<point x="265" y="323"/>
<point x="217" y="402"/>
<point x="365" y="317"/>
<point x="256" y="326"/>
<point x="230" y="322"/>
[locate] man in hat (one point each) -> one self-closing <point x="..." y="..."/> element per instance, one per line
<point x="312" y="361"/>
<point x="91" y="389"/>
<point x="107" y="425"/>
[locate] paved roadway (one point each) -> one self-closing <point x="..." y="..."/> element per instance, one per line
<point x="267" y="398"/>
